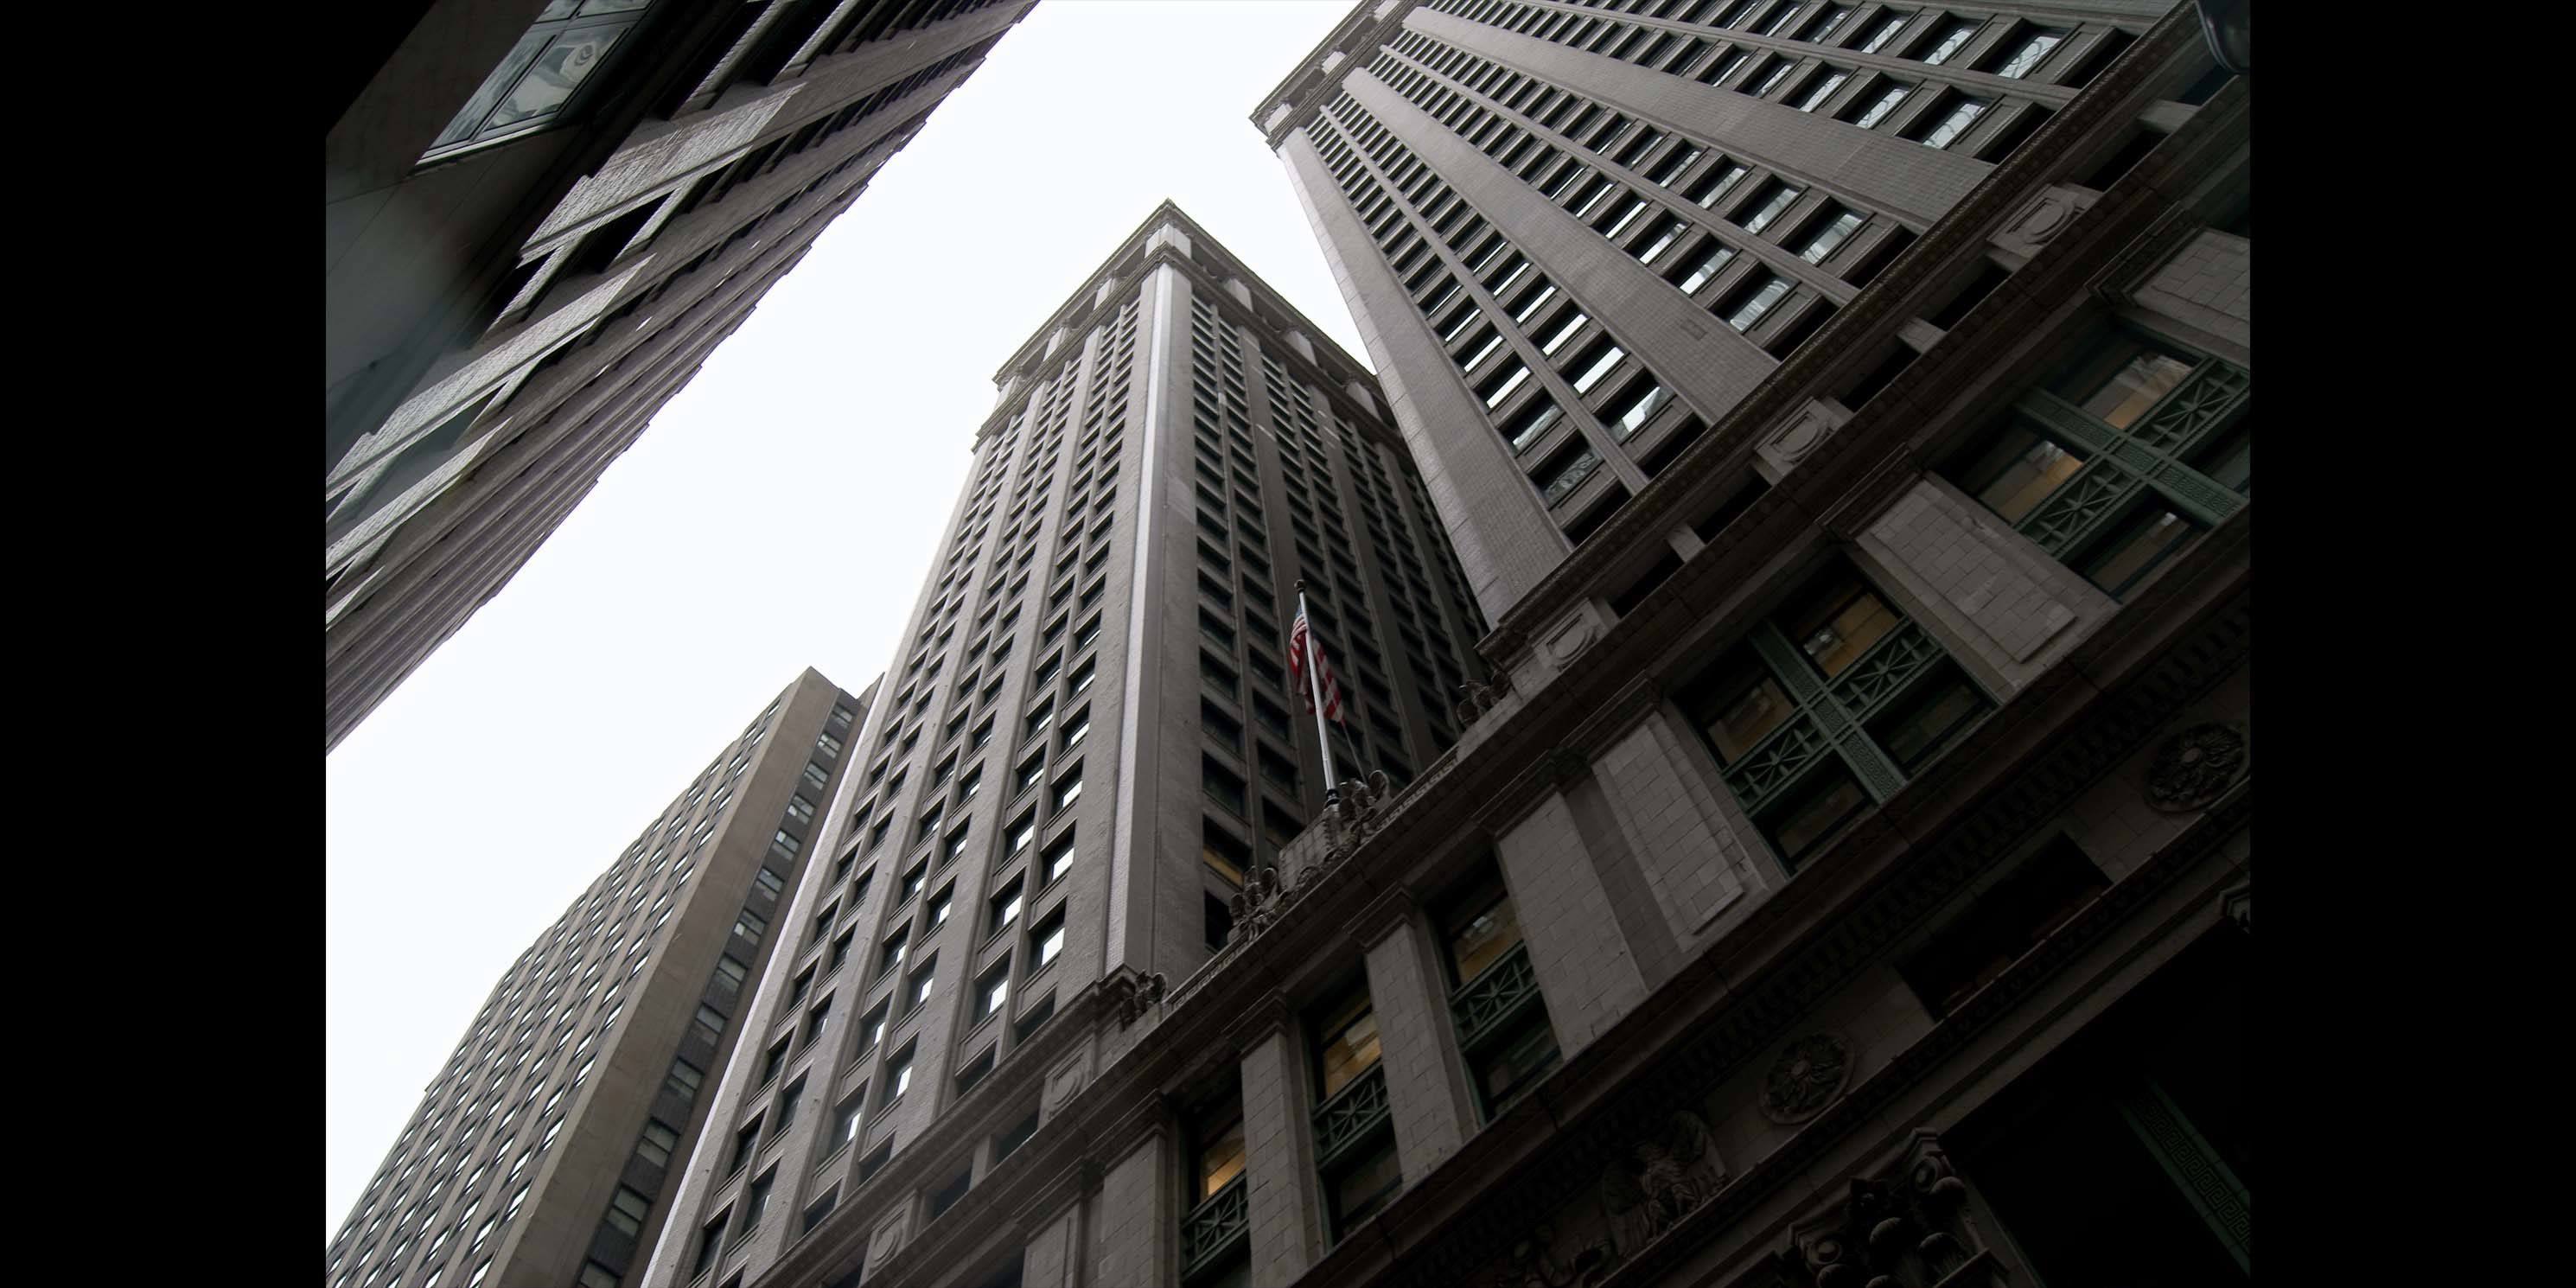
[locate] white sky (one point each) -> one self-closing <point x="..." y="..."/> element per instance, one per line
<point x="780" y="513"/>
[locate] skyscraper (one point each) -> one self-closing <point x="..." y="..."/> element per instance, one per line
<point x="540" y="1154"/>
<point x="1089" y="748"/>
<point x="539" y="220"/>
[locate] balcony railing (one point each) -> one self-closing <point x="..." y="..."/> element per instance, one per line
<point x="1350" y="1115"/>
<point x="1215" y="1227"/>
<point x="1487" y="1004"/>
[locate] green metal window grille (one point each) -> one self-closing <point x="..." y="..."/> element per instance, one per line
<point x="1822" y="730"/>
<point x="1216" y="1227"/>
<point x="2088" y="473"/>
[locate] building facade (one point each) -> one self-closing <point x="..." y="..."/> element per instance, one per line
<point x="1841" y="872"/>
<point x="542" y="1152"/>
<point x="539" y="220"/>
<point x="1090" y="746"/>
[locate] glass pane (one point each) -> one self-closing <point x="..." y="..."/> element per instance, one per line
<point x="1838" y="624"/>
<point x="1707" y="269"/>
<point x="470" y="117"/>
<point x="1350" y="1044"/>
<point x="559" y="71"/>
<point x="1750" y="704"/>
<point x="1220" y="1159"/>
<point x="1914" y="732"/>
<point x="1517" y="1063"/>
<point x="2229" y="459"/>
<point x="2136" y="548"/>
<point x="2030" y="54"/>
<point x="1489" y="934"/>
<point x="2019" y="472"/>
<point x="1961" y="115"/>
<point x="2122" y="379"/>
<point x="1817" y="811"/>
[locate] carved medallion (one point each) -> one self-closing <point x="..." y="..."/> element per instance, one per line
<point x="1806" y="1078"/>
<point x="2194" y="767"/>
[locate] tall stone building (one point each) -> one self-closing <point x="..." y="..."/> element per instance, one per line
<point x="541" y="1153"/>
<point x="539" y="219"/>
<point x="1090" y="748"/>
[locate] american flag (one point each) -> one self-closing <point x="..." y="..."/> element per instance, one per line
<point x="1298" y="643"/>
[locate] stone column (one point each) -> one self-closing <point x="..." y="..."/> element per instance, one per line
<point x="1138" y="1226"/>
<point x="1425" y="1093"/>
<point x="1582" y="961"/>
<point x="1278" y="1168"/>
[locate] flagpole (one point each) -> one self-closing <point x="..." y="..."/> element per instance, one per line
<point x="1315" y="690"/>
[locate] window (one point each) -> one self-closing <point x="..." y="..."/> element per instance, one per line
<point x="1885" y="31"/>
<point x="751" y="925"/>
<point x="913" y="881"/>
<point x="1878" y="105"/>
<point x="711" y="1242"/>
<point x="845" y="1119"/>
<point x="1005" y="907"/>
<point x="1804" y="748"/>
<point x="890" y="959"/>
<point x="1068" y="789"/>
<point x="787" y="1102"/>
<point x="755" y="1201"/>
<point x="1831" y="227"/>
<point x="992" y="992"/>
<point x="1717" y="257"/>
<point x="777" y="1060"/>
<point x="1224" y="855"/>
<point x="1754" y="300"/>
<point x="814" y="1022"/>
<point x="917" y="990"/>
<point x="1345" y="1042"/>
<point x="818" y="1209"/>
<point x="1216" y="1148"/>
<point x="1949" y="119"/>
<point x="1945" y="39"/>
<point x="1056" y="861"/>
<point x="746" y="1143"/>
<point x="660" y="1138"/>
<point x="1776" y="197"/>
<point x="539" y="76"/>
<point x="683" y="1080"/>
<point x="2065" y="467"/>
<point x="1076" y="728"/>
<point x="872" y="1029"/>
<point x="1603" y="359"/>
<point x="1046" y="941"/>
<point x="898" y="1077"/>
<point x="1822" y="88"/>
<point x="2015" y="57"/>
<point x="1222" y="785"/>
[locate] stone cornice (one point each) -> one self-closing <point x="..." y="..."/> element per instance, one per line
<point x="1137" y="256"/>
<point x="1370" y="23"/>
<point x="1896" y="410"/>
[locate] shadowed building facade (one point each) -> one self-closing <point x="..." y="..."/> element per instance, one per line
<point x="539" y="220"/>
<point x="1090" y="753"/>
<point x="541" y="1153"/>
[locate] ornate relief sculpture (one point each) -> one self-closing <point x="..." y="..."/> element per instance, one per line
<point x="1806" y="1078"/>
<point x="1667" y="1176"/>
<point x="1908" y="1227"/>
<point x="2194" y="767"/>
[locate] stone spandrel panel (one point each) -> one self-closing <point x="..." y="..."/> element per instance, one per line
<point x="2000" y="604"/>
<point x="2208" y="286"/>
<point x="1054" y="1254"/>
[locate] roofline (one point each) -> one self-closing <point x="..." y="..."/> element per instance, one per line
<point x="1295" y="99"/>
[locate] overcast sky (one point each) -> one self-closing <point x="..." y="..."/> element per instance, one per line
<point x="780" y="513"/>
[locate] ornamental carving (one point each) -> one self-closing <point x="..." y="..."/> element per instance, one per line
<point x="1477" y="697"/>
<point x="1357" y="813"/>
<point x="1665" y="1177"/>
<point x="1132" y="994"/>
<point x="2194" y="766"/>
<point x="1908" y="1227"/>
<point x="1258" y="903"/>
<point x="1806" y="1078"/>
